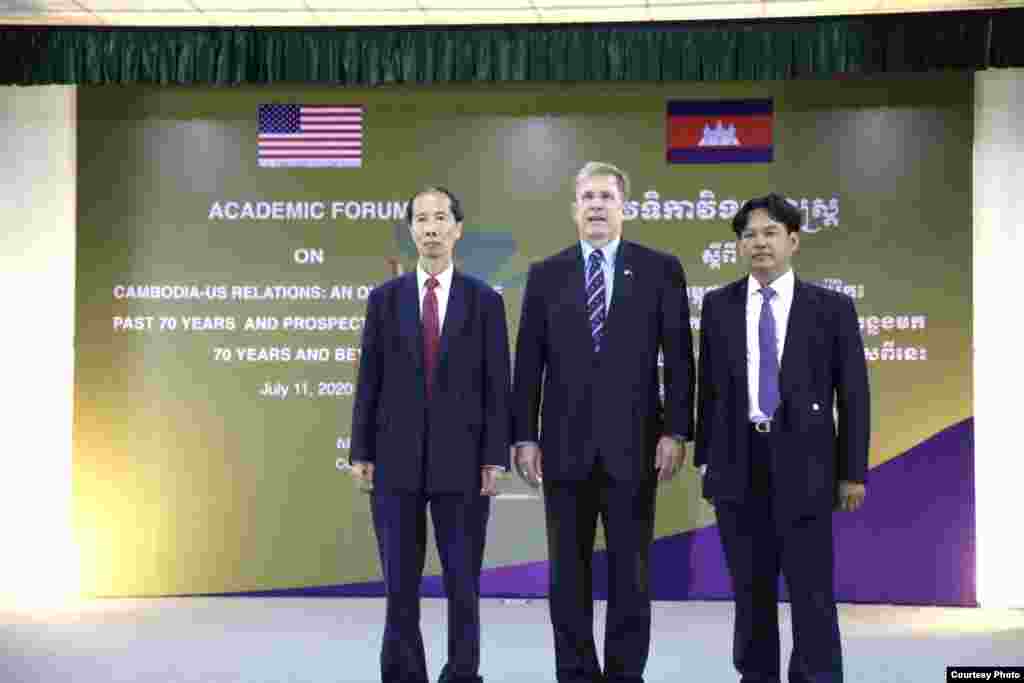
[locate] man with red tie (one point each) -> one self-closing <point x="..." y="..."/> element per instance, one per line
<point x="430" y="426"/>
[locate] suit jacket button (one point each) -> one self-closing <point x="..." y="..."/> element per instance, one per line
<point x="815" y="407"/>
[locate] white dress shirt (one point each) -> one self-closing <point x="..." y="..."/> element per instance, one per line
<point x="442" y="291"/>
<point x="781" y="303"/>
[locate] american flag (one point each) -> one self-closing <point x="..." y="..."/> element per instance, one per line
<point x="310" y="135"/>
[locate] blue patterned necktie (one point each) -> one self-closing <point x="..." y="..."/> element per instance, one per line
<point x="595" y="297"/>
<point x="767" y="342"/>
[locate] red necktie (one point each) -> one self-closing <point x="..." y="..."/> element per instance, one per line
<point x="431" y="331"/>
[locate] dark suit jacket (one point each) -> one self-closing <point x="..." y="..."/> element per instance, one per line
<point x="440" y="446"/>
<point x="606" y="403"/>
<point x="823" y="367"/>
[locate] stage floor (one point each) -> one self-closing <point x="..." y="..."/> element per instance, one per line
<point x="316" y="640"/>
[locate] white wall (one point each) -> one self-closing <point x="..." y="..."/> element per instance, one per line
<point x="37" y="285"/>
<point x="998" y="330"/>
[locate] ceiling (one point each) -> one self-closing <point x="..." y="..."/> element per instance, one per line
<point x="364" y="13"/>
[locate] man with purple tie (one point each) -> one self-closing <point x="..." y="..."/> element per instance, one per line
<point x="430" y="426"/>
<point x="591" y="425"/>
<point x="782" y="430"/>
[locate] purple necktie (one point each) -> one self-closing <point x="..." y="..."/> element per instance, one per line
<point x="595" y="297"/>
<point x="767" y="342"/>
<point x="431" y="332"/>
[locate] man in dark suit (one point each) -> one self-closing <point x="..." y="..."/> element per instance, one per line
<point x="430" y="425"/>
<point x="781" y="361"/>
<point x="594" y="319"/>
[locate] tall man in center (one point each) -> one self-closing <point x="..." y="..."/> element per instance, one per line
<point x="594" y="319"/>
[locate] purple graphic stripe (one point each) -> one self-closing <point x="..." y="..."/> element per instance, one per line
<point x="912" y="543"/>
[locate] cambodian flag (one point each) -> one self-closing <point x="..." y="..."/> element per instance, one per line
<point x="718" y="131"/>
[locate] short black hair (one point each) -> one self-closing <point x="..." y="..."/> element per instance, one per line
<point x="456" y="205"/>
<point x="776" y="206"/>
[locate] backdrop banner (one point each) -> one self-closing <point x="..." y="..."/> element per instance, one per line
<point x="228" y="239"/>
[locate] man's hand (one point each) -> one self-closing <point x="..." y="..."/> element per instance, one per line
<point x="489" y="480"/>
<point x="363" y="473"/>
<point x="851" y="495"/>
<point x="529" y="457"/>
<point x="669" y="457"/>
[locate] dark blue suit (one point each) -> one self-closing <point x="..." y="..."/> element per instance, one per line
<point x="602" y="417"/>
<point x="774" y="493"/>
<point x="432" y="452"/>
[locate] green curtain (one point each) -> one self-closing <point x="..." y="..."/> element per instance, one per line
<point x="705" y="51"/>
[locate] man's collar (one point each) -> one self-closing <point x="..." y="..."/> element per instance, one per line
<point x="609" y="249"/>
<point x="444" y="277"/>
<point x="783" y="285"/>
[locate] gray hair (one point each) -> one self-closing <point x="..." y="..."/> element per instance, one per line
<point x="601" y="168"/>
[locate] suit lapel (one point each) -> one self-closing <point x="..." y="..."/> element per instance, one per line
<point x="409" y="316"/>
<point x="735" y="327"/>
<point x="623" y="288"/>
<point x="574" y="295"/>
<point x="617" y="315"/>
<point x="454" y="316"/>
<point x="797" y="329"/>
<point x="736" y="330"/>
